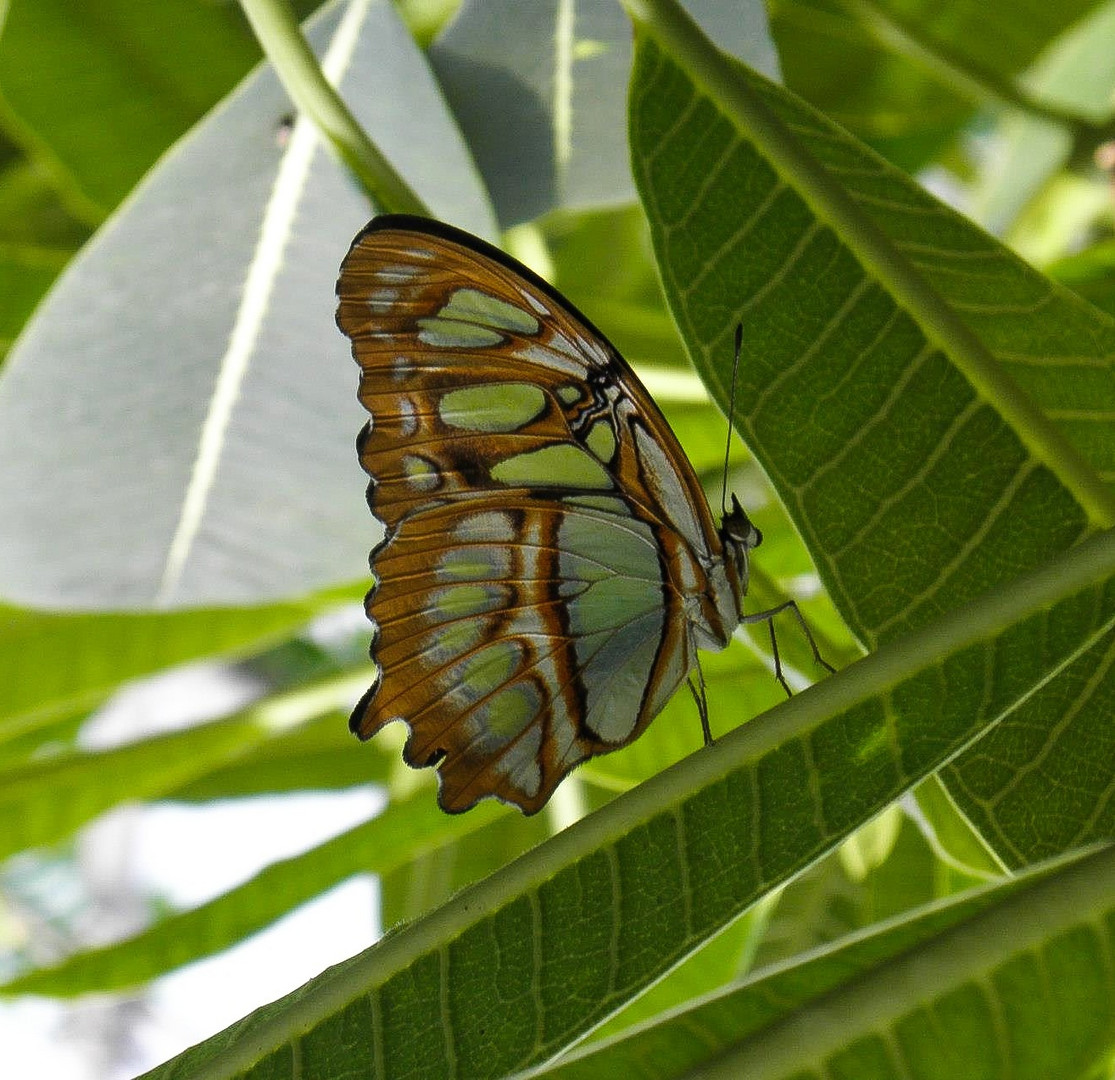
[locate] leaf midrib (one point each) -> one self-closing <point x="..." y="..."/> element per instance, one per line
<point x="719" y="80"/>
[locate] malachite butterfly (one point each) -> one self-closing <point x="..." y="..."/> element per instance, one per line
<point x="550" y="564"/>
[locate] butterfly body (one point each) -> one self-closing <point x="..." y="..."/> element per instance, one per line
<point x="550" y="562"/>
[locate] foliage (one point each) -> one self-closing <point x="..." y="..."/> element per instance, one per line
<point x="901" y="870"/>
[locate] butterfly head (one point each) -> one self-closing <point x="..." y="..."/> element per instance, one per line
<point x="739" y="536"/>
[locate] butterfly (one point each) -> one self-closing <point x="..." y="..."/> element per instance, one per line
<point x="550" y="564"/>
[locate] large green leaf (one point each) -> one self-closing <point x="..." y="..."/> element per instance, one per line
<point x="183" y="394"/>
<point x="935" y="415"/>
<point x="979" y="966"/>
<point x="522" y="964"/>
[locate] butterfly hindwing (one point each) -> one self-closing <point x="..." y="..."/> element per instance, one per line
<point x="514" y="659"/>
<point x="548" y="547"/>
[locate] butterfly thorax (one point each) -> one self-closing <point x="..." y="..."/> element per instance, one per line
<point x="716" y="609"/>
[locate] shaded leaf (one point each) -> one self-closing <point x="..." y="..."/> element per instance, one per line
<point x="1076" y="73"/>
<point x="894" y="105"/>
<point x="54" y="664"/>
<point x="936" y="415"/>
<point x="190" y="361"/>
<point x="980" y="967"/>
<point x="32" y="814"/>
<point x="539" y="92"/>
<point x="65" y="69"/>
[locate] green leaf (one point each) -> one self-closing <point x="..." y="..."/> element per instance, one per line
<point x="979" y="968"/>
<point x="835" y="898"/>
<point x="183" y="394"/>
<point x="37" y="238"/>
<point x="51" y="665"/>
<point x="904" y="75"/>
<point x="65" y="69"/>
<point x="25" y="274"/>
<point x="833" y="60"/>
<point x="32" y="814"/>
<point x="33" y="218"/>
<point x="717" y="963"/>
<point x="433" y="875"/>
<point x="1076" y="73"/>
<point x="509" y="964"/>
<point x="936" y="415"/>
<point x="320" y="755"/>
<point x="956" y="843"/>
<point x="1091" y="273"/>
<point x="582" y="923"/>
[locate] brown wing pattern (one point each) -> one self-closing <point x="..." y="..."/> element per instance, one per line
<point x="544" y="529"/>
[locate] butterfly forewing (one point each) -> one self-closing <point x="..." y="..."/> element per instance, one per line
<point x="548" y="551"/>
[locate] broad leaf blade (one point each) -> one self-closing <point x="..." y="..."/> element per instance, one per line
<point x="584" y="922"/>
<point x="873" y="434"/>
<point x="538" y="90"/>
<point x="183" y="394"/>
<point x="901" y="985"/>
<point x="936" y="415"/>
<point x="1055" y="754"/>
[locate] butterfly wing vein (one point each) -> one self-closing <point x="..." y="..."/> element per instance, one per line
<point x="547" y="544"/>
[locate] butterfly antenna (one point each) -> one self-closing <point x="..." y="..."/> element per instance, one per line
<point x="731" y="420"/>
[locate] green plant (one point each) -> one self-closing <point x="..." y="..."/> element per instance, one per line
<point x="933" y="416"/>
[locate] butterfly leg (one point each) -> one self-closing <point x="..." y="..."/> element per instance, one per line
<point x="699" y="695"/>
<point x="768" y="617"/>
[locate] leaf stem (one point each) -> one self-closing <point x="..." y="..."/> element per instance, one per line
<point x="281" y="38"/>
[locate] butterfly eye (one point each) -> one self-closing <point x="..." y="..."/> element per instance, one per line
<point x="738" y="530"/>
